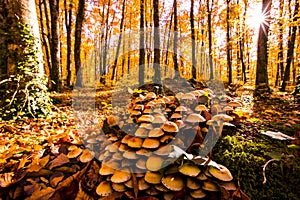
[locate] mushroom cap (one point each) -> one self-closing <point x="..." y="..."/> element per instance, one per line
<point x="164" y="150"/>
<point x="147" y="111"/>
<point x="106" y="169"/>
<point x="140" y="132"/>
<point x="120" y="176"/>
<point x="161" y="187"/>
<point x="170" y="127"/>
<point x="156" y="132"/>
<point x="146" y="118"/>
<point x="228" y="185"/>
<point x="216" y="108"/>
<point x="166" y="138"/>
<point x="152" y="191"/>
<point x="173" y="182"/>
<point x="179" y="95"/>
<point x="74" y="153"/>
<point x="117" y="156"/>
<point x="112" y="120"/>
<point x="210" y="186"/>
<point x="200" y="108"/>
<point x="129" y="183"/>
<point x="92" y="141"/>
<point x="86" y="156"/>
<point x="153" y="177"/>
<point x="141" y="163"/>
<point x="195" y="118"/>
<point x="135" y="113"/>
<point x="130" y="154"/>
<point x="189" y="169"/>
<point x="176" y="116"/>
<point x="150" y="104"/>
<point x="188" y="96"/>
<point x="126" y="138"/>
<point x="198" y="194"/>
<point x="104" y="189"/>
<point x="119" y="187"/>
<point x="192" y="184"/>
<point x="143" y="152"/>
<point x="181" y="109"/>
<point x="223" y="117"/>
<point x="154" y="163"/>
<point x="142" y="184"/>
<point x="159" y="119"/>
<point x="146" y="126"/>
<point x="135" y="142"/>
<point x="169" y="195"/>
<point x="179" y="123"/>
<point x="221" y="173"/>
<point x="151" y="143"/>
<point x="202" y="177"/>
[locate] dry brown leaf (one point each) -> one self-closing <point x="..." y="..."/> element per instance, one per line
<point x="59" y="160"/>
<point x="81" y="195"/>
<point x="38" y="164"/>
<point x="42" y="194"/>
<point x="6" y="179"/>
<point x="56" y="178"/>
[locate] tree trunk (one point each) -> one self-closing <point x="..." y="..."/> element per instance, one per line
<point x="115" y="67"/>
<point x="156" y="64"/>
<point x="280" y="65"/>
<point x="209" y="11"/>
<point x="175" y="44"/>
<point x="194" y="63"/>
<point x="77" y="45"/>
<point x="54" y="45"/>
<point x="228" y="44"/>
<point x="142" y="45"/>
<point x="291" y="45"/>
<point x="262" y="50"/>
<point x="68" y="24"/>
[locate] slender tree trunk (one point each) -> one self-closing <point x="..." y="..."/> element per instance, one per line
<point x="209" y="11"/>
<point x="157" y="72"/>
<point x="262" y="50"/>
<point x="194" y="62"/>
<point x="291" y="45"/>
<point x="44" y="40"/>
<point x="68" y="24"/>
<point x="175" y="42"/>
<point x="242" y="43"/>
<point x="77" y="44"/>
<point x="280" y="65"/>
<point x="142" y="45"/>
<point x="228" y="45"/>
<point x="54" y="46"/>
<point x="114" y="71"/>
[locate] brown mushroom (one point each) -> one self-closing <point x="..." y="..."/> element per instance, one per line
<point x="104" y="189"/>
<point x="170" y="127"/>
<point x="151" y="143"/>
<point x="153" y="177"/>
<point x="135" y="142"/>
<point x="189" y="169"/>
<point x="156" y="132"/>
<point x="154" y="163"/>
<point x="120" y="176"/>
<point x="221" y="173"/>
<point x="173" y="182"/>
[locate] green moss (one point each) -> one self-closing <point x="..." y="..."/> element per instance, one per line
<point x="245" y="158"/>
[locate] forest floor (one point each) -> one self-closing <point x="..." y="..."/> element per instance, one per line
<point x="24" y="142"/>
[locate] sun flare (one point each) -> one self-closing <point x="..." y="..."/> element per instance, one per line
<point x="256" y="17"/>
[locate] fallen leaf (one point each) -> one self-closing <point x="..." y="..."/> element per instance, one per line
<point x="59" y="160"/>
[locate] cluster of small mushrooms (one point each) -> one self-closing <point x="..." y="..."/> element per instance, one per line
<point x="151" y="149"/>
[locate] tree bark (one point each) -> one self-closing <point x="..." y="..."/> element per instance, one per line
<point x="262" y="80"/>
<point x="175" y="43"/>
<point x="77" y="44"/>
<point x="291" y="45"/>
<point x="194" y="63"/>
<point x="68" y="24"/>
<point x="209" y="11"/>
<point x="119" y="42"/>
<point x="156" y="64"/>
<point x="228" y="45"/>
<point x="142" y="45"/>
<point x="54" y="45"/>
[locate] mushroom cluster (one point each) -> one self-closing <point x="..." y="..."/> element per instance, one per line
<point x="148" y="150"/>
